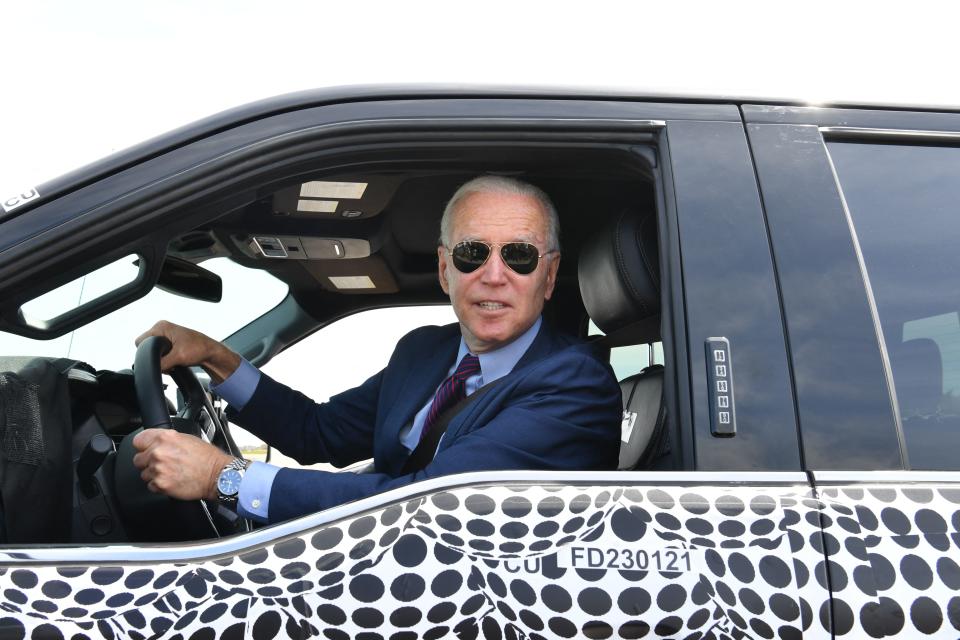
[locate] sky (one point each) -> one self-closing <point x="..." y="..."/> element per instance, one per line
<point x="83" y="80"/>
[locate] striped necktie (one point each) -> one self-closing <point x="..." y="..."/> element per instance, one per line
<point x="451" y="391"/>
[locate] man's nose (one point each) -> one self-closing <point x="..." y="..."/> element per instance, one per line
<point x="494" y="271"/>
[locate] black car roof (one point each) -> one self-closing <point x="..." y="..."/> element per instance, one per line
<point x="356" y="93"/>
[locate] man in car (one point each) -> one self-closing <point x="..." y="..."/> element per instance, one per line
<point x="550" y="403"/>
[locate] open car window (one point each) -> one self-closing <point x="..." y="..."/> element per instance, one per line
<point x="344" y="354"/>
<point x="340" y="356"/>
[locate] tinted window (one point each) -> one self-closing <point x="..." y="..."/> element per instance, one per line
<point x="905" y="205"/>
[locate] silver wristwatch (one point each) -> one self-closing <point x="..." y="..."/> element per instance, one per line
<point x="228" y="482"/>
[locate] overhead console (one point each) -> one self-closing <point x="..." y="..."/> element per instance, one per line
<point x="327" y="228"/>
<point x="338" y="264"/>
<point x="308" y="248"/>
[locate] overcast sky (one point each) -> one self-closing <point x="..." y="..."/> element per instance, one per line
<point x="84" y="79"/>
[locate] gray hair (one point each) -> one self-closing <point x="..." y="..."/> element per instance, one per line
<point x="511" y="186"/>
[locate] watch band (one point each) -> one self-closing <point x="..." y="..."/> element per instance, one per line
<point x="240" y="464"/>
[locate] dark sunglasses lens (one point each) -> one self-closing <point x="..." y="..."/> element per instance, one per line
<point x="520" y="256"/>
<point x="470" y="256"/>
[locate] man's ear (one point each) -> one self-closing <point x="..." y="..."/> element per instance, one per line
<point x="442" y="269"/>
<point x="552" y="268"/>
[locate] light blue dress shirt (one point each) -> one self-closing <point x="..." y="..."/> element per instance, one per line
<point x="254" y="498"/>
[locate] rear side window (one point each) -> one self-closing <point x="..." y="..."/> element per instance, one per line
<point x="904" y="203"/>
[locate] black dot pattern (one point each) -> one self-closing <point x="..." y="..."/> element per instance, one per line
<point x="487" y="562"/>
<point x="894" y="558"/>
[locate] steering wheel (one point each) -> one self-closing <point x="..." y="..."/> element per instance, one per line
<point x="158" y="517"/>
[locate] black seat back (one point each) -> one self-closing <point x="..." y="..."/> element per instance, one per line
<point x="619" y="271"/>
<point x="643" y="416"/>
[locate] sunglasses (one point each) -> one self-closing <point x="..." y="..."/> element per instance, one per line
<point x="522" y="257"/>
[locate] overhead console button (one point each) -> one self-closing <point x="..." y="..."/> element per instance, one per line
<point x="309" y="248"/>
<point x="270" y="247"/>
<point x="334" y="248"/>
<point x="322" y="248"/>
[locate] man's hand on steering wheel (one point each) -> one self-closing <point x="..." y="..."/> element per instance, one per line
<point x="179" y="465"/>
<point x="190" y="348"/>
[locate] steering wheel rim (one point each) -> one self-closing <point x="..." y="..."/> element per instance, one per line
<point x="132" y="492"/>
<point x="148" y="381"/>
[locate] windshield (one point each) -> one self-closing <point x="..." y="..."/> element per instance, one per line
<point x="107" y="343"/>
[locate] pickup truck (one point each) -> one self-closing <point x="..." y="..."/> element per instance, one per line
<point x="775" y="284"/>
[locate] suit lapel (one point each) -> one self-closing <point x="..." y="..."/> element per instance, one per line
<point x="424" y="376"/>
<point x="543" y="345"/>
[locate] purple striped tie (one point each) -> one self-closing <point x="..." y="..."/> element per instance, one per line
<point x="451" y="391"/>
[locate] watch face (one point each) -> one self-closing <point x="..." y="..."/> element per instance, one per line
<point x="229" y="482"/>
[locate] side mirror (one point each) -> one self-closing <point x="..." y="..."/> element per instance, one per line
<point x="183" y="278"/>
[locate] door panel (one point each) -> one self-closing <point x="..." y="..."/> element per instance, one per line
<point x="893" y="543"/>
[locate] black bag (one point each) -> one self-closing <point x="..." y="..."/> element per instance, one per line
<point x="36" y="471"/>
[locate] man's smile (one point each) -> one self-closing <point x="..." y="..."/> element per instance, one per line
<point x="491" y="305"/>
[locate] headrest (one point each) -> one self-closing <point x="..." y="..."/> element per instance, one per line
<point x="619" y="272"/>
<point x="918" y="376"/>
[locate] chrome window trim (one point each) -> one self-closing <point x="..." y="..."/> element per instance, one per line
<point x="869" y="133"/>
<point x="523" y="120"/>
<point x="617" y="125"/>
<point x="886" y="477"/>
<point x="208" y="550"/>
<point x="600" y="122"/>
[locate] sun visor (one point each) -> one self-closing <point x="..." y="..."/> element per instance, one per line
<point x="363" y="275"/>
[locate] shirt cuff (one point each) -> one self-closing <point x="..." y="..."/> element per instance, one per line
<point x="254" y="499"/>
<point x="239" y="386"/>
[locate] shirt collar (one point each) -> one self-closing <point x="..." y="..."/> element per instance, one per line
<point x="499" y="362"/>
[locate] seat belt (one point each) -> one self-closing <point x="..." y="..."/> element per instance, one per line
<point x="423" y="454"/>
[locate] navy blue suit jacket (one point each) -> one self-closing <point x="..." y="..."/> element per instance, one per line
<point x="559" y="408"/>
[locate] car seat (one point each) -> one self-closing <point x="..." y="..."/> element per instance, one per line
<point x="619" y="273"/>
